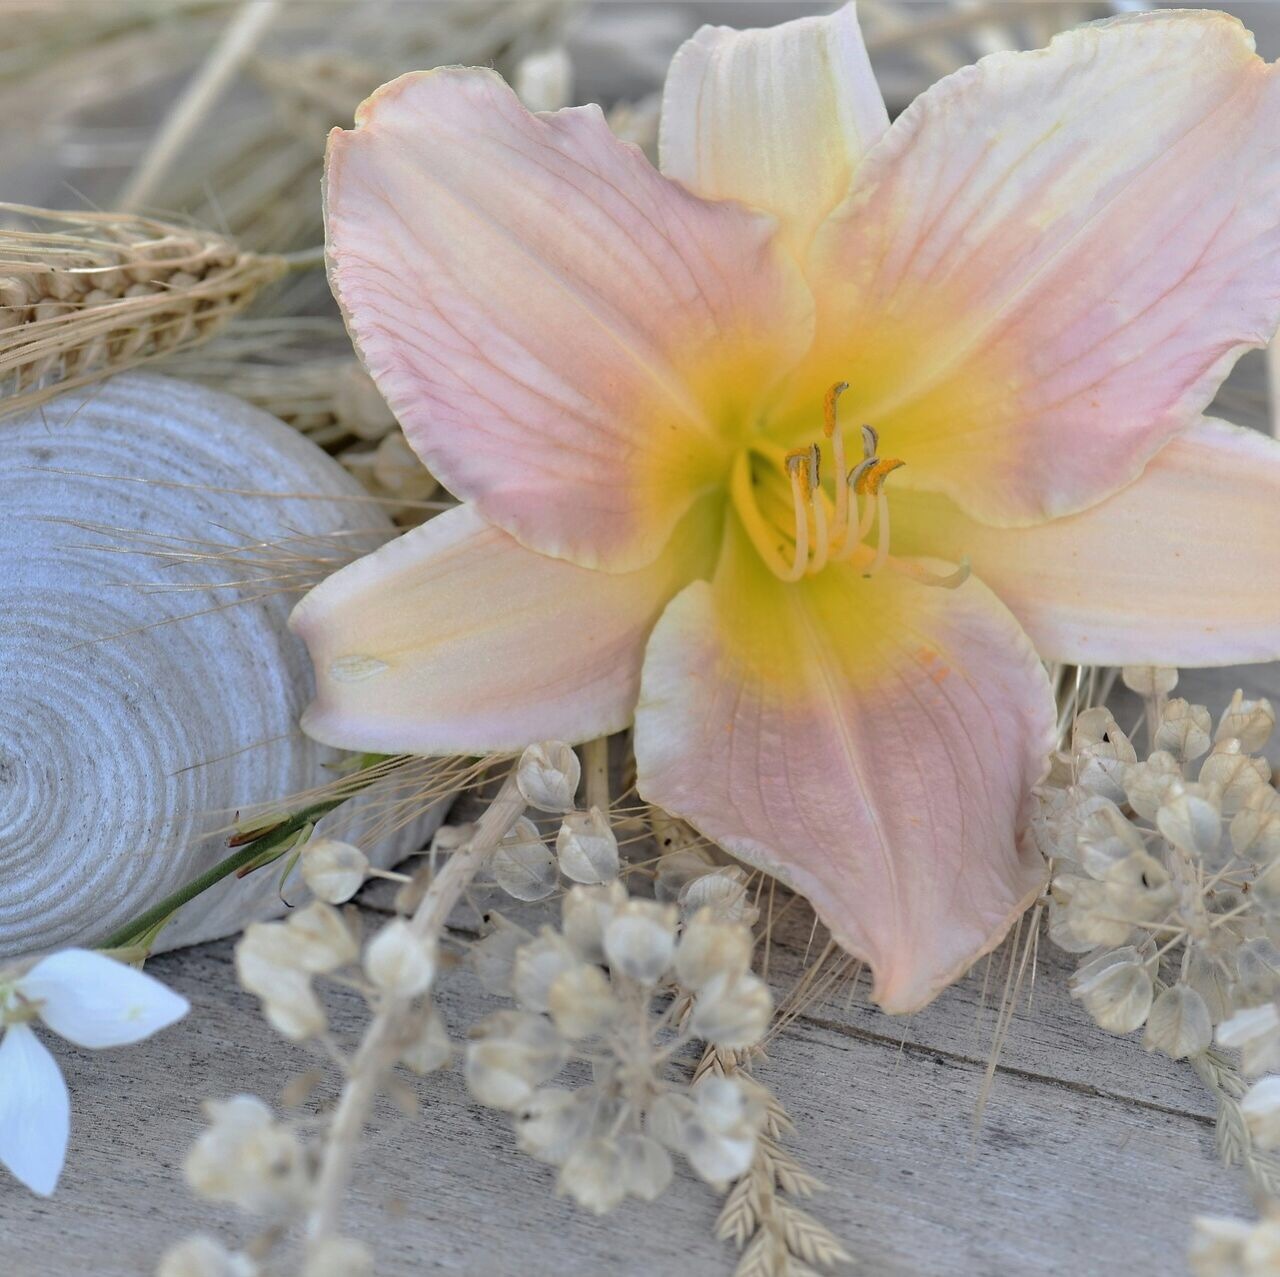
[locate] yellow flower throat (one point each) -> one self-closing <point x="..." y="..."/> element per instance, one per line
<point x="824" y="529"/>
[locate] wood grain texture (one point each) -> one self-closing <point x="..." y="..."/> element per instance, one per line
<point x="1092" y="1156"/>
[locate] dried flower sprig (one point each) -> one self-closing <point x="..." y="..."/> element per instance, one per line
<point x="1166" y="881"/>
<point x="83" y="295"/>
<point x="394" y="970"/>
<point x="623" y="988"/>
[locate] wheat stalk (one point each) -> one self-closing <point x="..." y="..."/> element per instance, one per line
<point x="85" y="295"/>
<point x="776" y="1237"/>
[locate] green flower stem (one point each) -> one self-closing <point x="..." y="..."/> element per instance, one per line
<point x="278" y="840"/>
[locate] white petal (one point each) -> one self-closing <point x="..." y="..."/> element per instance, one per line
<point x="777" y="118"/>
<point x="35" y="1111"/>
<point x="94" y="1001"/>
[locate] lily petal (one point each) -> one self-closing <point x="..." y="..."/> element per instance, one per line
<point x="456" y="639"/>
<point x="568" y="338"/>
<point x="1053" y="258"/>
<point x="777" y="118"/>
<point x="94" y="1001"/>
<point x="35" y="1111"/>
<point x="1179" y="568"/>
<point x="872" y="743"/>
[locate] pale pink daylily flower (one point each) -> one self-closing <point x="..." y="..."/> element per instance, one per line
<point x="1032" y="283"/>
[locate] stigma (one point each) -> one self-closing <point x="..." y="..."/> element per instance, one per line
<point x="836" y="528"/>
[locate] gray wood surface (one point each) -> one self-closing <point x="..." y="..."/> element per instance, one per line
<point x="1091" y="1158"/>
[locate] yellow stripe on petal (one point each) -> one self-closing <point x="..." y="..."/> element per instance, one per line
<point x="872" y="743"/>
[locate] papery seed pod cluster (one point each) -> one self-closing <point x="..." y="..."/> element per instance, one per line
<point x="625" y="984"/>
<point x="1167" y="873"/>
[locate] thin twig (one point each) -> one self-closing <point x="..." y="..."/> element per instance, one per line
<point x="376" y="1052"/>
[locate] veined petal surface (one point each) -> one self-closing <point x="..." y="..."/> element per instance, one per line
<point x="1052" y="259"/>
<point x="1179" y="568"/>
<point x="777" y="118"/>
<point x="872" y="743"/>
<point x="35" y="1111"/>
<point x="456" y="639"/>
<point x="570" y="340"/>
<point x="94" y="1001"/>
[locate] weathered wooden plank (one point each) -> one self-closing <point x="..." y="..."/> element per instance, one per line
<point x="1049" y="1035"/>
<point x="1056" y="1179"/>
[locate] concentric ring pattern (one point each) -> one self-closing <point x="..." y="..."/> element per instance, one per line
<point x="149" y="687"/>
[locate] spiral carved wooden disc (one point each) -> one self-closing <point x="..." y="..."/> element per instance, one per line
<point x="145" y="695"/>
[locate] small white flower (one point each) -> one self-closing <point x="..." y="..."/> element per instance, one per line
<point x="1184" y="730"/>
<point x="640" y="939"/>
<point x="1149" y="680"/>
<point x="1102" y="753"/>
<point x="724" y="892"/>
<point x="1261" y="1109"/>
<point x="1179" y="1023"/>
<point x="511" y="1054"/>
<point x="544" y="80"/>
<point x="1249" y="722"/>
<point x="92" y="1001"/>
<point x="493" y="957"/>
<point x="646" y="1167"/>
<point x="1191" y="819"/>
<point x="339" y="1257"/>
<point x="709" y="948"/>
<point x="732" y="1011"/>
<point x="1255" y="828"/>
<point x="428" y="1047"/>
<point x="1236" y="775"/>
<point x="586" y="847"/>
<point x="677" y="869"/>
<point x="584" y="914"/>
<point x="399" y="962"/>
<point x="1117" y="992"/>
<point x="319" y="939"/>
<point x="548" y="775"/>
<point x="552" y="1122"/>
<point x="613" y="1136"/>
<point x="582" y="1002"/>
<point x="1255" y="1033"/>
<point x="1105" y="838"/>
<point x="1146" y="784"/>
<point x="247" y="1158"/>
<point x="522" y="866"/>
<point x="594" y="1176"/>
<point x="333" y="871"/>
<point x="265" y="965"/>
<point x="537" y="964"/>
<point x="720" y="1137"/>
<point x="1258" y="966"/>
<point x="204" y="1256"/>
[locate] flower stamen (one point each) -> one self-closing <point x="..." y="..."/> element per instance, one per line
<point x="800" y="466"/>
<point x="831" y="428"/>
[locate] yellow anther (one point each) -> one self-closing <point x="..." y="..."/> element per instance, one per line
<point x="871" y="480"/>
<point x="829" y="407"/>
<point x="799" y="464"/>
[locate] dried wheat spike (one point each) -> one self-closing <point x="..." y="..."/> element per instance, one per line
<point x="85" y="295"/>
